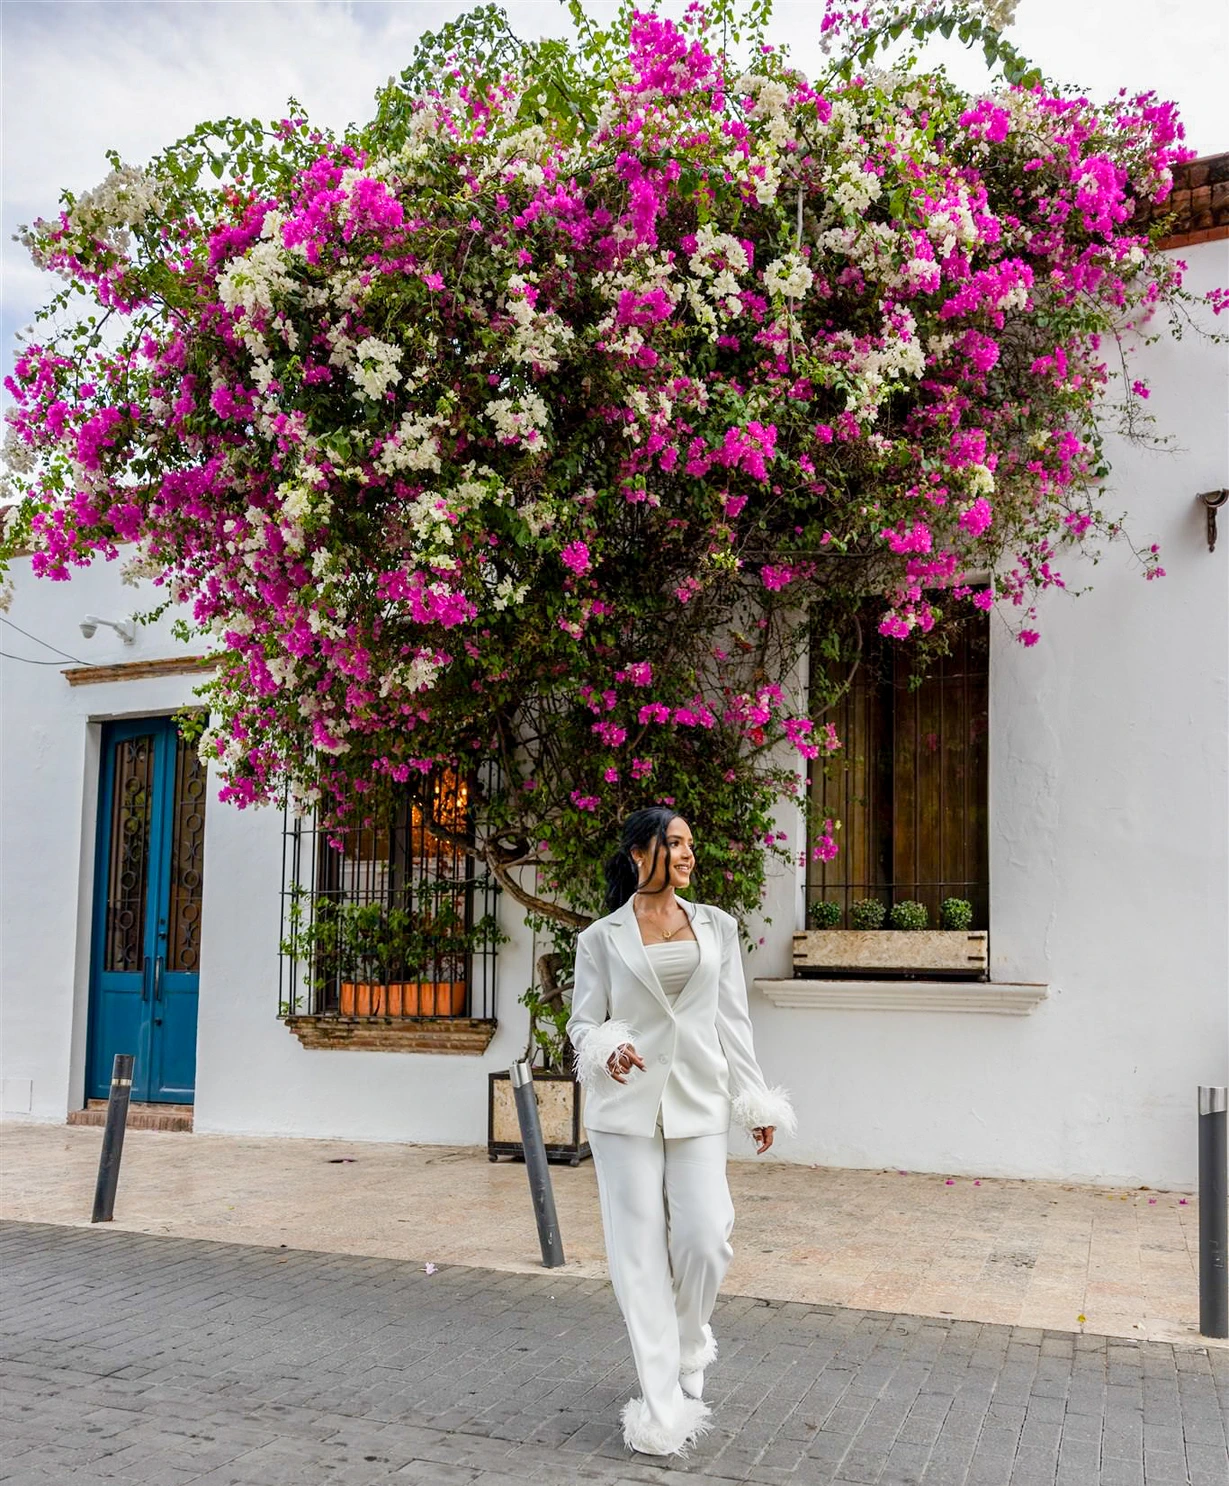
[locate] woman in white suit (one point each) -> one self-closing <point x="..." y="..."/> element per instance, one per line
<point x="663" y="1046"/>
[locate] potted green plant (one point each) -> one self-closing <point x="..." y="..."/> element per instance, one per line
<point x="909" y="914"/>
<point x="823" y="914"/>
<point x="956" y="914"/>
<point x="386" y="959"/>
<point x="868" y="913"/>
<point x="560" y="1098"/>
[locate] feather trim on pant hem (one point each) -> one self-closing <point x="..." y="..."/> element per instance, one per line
<point x="596" y="1050"/>
<point x="751" y="1110"/>
<point x="698" y="1358"/>
<point x="640" y="1433"/>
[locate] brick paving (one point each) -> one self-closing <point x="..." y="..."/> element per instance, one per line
<point x="130" y="1358"/>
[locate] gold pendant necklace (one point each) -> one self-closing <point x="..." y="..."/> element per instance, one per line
<point x="667" y="935"/>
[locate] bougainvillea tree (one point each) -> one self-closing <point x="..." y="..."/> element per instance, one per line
<point x="544" y="421"/>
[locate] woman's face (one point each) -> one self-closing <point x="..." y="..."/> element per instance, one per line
<point x="678" y="860"/>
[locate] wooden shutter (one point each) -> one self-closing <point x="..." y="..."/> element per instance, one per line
<point x="909" y="785"/>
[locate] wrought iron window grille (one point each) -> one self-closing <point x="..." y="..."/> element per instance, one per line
<point x="393" y="921"/>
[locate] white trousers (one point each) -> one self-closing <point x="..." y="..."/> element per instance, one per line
<point x="667" y="1216"/>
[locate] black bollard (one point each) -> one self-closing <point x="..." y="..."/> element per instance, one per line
<point x="536" y="1165"/>
<point x="113" y="1138"/>
<point x="1213" y="1214"/>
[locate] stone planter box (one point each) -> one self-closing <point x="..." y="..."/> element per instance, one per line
<point x="906" y="951"/>
<point x="560" y="1108"/>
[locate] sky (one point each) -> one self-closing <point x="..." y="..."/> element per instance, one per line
<point x="82" y="76"/>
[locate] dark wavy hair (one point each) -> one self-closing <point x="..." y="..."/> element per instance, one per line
<point x="641" y="828"/>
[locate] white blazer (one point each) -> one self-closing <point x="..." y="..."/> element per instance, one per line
<point x="700" y="1069"/>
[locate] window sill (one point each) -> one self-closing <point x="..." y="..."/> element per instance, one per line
<point x="1001" y="998"/>
<point x="458" y="1035"/>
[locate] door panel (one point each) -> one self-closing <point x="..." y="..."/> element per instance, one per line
<point x="121" y="985"/>
<point x="176" y="970"/>
<point x="145" y="971"/>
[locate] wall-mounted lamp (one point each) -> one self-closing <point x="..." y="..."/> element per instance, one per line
<point x="1213" y="500"/>
<point x="124" y="628"/>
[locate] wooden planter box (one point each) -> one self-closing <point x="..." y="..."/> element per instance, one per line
<point x="560" y="1108"/>
<point x="881" y="951"/>
<point x="408" y="998"/>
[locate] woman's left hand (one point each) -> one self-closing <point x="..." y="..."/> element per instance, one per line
<point x="762" y="1135"/>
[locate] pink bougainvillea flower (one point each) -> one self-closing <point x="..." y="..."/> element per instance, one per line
<point x="531" y="451"/>
<point x="576" y="556"/>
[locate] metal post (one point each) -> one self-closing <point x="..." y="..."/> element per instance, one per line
<point x="1213" y="1213"/>
<point x="113" y="1138"/>
<point x="521" y="1077"/>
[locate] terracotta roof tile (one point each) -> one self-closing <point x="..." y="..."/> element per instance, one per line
<point x="1198" y="208"/>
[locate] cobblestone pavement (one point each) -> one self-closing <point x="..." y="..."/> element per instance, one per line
<point x="131" y="1358"/>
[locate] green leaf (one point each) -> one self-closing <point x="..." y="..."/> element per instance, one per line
<point x="338" y="445"/>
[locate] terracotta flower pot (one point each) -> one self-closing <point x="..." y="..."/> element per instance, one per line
<point x="361" y="998"/>
<point x="439" y="998"/>
<point x="355" y="998"/>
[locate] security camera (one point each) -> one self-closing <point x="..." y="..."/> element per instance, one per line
<point x="124" y="628"/>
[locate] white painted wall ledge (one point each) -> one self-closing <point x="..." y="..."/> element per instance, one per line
<point x="998" y="998"/>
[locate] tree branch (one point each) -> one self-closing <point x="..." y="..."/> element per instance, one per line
<point x="530" y="900"/>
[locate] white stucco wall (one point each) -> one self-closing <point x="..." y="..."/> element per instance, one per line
<point x="1109" y="870"/>
<point x="49" y="747"/>
<point x="252" y="1074"/>
<point x="1109" y="881"/>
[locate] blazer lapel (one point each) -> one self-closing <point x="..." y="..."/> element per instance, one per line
<point x="625" y="936"/>
<point x="702" y="928"/>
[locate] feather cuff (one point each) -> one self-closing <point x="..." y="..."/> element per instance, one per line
<point x="752" y="1111"/>
<point x="640" y="1433"/>
<point x="595" y="1051"/>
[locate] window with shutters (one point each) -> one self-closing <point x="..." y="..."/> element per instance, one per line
<point x="909" y="784"/>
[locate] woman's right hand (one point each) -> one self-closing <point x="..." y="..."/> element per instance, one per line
<point x="622" y="1061"/>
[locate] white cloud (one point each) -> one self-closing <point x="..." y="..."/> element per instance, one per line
<point x="1178" y="48"/>
<point x="82" y="78"/>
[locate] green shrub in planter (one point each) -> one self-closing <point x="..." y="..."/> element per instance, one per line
<point x="867" y="913"/>
<point x="956" y="913"/>
<point x="824" y="915"/>
<point x="909" y="914"/>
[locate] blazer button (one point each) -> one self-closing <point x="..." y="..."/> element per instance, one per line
<point x="661" y="1058"/>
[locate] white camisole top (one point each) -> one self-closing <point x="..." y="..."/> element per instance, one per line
<point x="674" y="963"/>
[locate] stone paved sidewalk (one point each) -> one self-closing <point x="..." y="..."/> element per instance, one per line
<point x="128" y="1359"/>
<point x="1115" y="1261"/>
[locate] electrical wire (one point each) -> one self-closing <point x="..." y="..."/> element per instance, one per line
<point x="26" y="661"/>
<point x="46" y="646"/>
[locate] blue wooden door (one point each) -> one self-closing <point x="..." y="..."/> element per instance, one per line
<point x="147" y="910"/>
